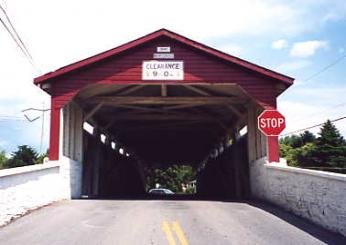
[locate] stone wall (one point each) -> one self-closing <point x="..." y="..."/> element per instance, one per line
<point x="315" y="195"/>
<point x="26" y="188"/>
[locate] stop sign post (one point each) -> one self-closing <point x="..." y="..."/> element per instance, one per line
<point x="271" y="122"/>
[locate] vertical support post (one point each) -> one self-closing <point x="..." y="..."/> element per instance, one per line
<point x="252" y="128"/>
<point x="237" y="165"/>
<point x="273" y="149"/>
<point x="96" y="162"/>
<point x="255" y="138"/>
<point x="54" y="131"/>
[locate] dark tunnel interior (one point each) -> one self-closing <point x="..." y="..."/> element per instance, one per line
<point x="149" y="131"/>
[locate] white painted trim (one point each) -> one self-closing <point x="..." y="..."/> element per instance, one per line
<point x="27" y="169"/>
<point x="321" y="174"/>
<point x="61" y="134"/>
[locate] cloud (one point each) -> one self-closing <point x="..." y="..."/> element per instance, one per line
<point x="307" y="48"/>
<point x="336" y="12"/>
<point x="279" y="44"/>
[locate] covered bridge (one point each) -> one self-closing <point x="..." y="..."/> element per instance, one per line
<point x="160" y="99"/>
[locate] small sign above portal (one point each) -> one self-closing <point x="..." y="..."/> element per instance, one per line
<point x="163" y="49"/>
<point x="163" y="56"/>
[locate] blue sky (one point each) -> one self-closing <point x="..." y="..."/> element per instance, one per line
<point x="297" y="38"/>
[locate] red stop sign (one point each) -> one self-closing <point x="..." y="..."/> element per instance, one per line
<point x="271" y="122"/>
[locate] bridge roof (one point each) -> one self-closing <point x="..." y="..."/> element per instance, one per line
<point x="157" y="34"/>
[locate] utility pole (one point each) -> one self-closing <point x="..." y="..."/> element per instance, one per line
<point x="43" y="110"/>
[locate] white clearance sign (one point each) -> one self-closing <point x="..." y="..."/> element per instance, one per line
<point x="163" y="70"/>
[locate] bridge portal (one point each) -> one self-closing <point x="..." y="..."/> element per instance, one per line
<point x="161" y="99"/>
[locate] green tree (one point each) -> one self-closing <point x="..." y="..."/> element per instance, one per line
<point x="328" y="150"/>
<point x="331" y="147"/>
<point x="293" y="141"/>
<point x="25" y="155"/>
<point x="3" y="159"/>
<point x="41" y="157"/>
<point x="304" y="156"/>
<point x="307" y="137"/>
<point x="330" y="135"/>
<point x="172" y="177"/>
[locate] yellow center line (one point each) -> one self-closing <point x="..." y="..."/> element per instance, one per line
<point x="166" y="229"/>
<point x="176" y="227"/>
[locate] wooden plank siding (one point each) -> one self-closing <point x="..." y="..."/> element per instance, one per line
<point x="257" y="141"/>
<point x="198" y="67"/>
<point x="202" y="64"/>
<point x="73" y="131"/>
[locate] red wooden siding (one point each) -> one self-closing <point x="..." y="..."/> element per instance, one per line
<point x="123" y="65"/>
<point x="198" y="67"/>
<point x="54" y="139"/>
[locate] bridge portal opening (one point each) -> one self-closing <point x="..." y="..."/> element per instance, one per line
<point x="141" y="130"/>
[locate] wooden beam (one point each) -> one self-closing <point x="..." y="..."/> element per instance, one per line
<point x="234" y="110"/>
<point x="93" y="111"/>
<point x="182" y="106"/>
<point x="163" y="90"/>
<point x="135" y="110"/>
<point x="100" y="89"/>
<point x="165" y="125"/>
<point x="207" y="115"/>
<point x="157" y="117"/>
<point x="197" y="90"/>
<point x="117" y="100"/>
<point x="131" y="90"/>
<point x="140" y="108"/>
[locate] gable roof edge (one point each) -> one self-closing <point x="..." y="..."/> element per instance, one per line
<point x="163" y="32"/>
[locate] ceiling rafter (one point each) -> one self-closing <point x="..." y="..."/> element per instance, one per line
<point x="234" y="110"/>
<point x="93" y="111"/>
<point x="131" y="90"/>
<point x="164" y="90"/>
<point x="197" y="90"/>
<point x="137" y="100"/>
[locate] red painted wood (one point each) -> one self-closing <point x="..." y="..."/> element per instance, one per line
<point x="273" y="149"/>
<point x="199" y="67"/>
<point x="123" y="65"/>
<point x="54" y="131"/>
<point x="173" y="36"/>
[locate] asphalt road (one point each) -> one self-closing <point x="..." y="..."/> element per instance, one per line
<point x="120" y="222"/>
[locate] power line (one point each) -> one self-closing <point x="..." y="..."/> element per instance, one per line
<point x="15" y="32"/>
<point x="325" y="68"/>
<point x="16" y="38"/>
<point x="328" y="108"/>
<point x="314" y="126"/>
